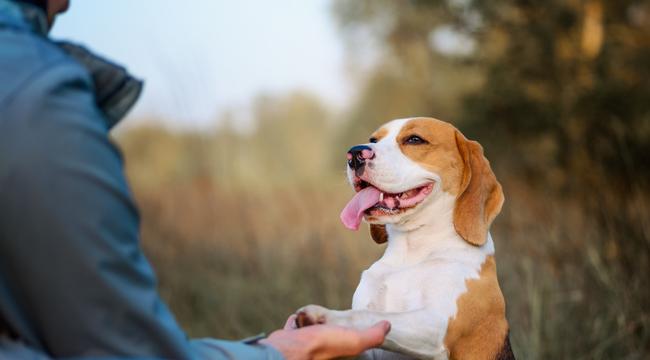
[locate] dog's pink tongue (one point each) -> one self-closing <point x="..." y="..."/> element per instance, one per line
<point x="363" y="200"/>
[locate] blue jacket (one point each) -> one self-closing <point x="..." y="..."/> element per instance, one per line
<point x="74" y="282"/>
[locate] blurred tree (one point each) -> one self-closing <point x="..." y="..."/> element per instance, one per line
<point x="409" y="77"/>
<point x="575" y="71"/>
<point x="567" y="83"/>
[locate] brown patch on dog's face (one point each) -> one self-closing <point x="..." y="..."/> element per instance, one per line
<point x="378" y="135"/>
<point x="440" y="148"/>
<point x="437" y="152"/>
<point x="479" y="329"/>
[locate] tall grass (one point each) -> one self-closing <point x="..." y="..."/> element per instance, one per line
<point x="234" y="263"/>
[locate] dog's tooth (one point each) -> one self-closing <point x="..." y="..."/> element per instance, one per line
<point x="381" y="197"/>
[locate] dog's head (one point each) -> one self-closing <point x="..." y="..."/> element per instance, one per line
<point x="407" y="165"/>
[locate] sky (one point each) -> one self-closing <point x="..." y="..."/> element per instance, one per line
<point x="200" y="58"/>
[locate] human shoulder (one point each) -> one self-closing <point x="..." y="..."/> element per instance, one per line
<point x="30" y="63"/>
<point x="47" y="104"/>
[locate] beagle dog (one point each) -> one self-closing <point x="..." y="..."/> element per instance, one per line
<point x="429" y="193"/>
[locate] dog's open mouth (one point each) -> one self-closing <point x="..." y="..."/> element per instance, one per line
<point x="370" y="200"/>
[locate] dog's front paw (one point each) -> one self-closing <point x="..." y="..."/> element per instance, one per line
<point x="311" y="315"/>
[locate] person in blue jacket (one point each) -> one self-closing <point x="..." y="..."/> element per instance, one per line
<point x="74" y="282"/>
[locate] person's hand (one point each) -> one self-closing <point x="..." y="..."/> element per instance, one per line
<point x="325" y="341"/>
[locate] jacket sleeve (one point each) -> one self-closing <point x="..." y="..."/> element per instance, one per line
<point x="73" y="279"/>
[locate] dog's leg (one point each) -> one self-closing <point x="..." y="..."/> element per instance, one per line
<point x="417" y="333"/>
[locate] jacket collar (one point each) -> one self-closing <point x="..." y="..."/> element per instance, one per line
<point x="24" y="16"/>
<point x="116" y="91"/>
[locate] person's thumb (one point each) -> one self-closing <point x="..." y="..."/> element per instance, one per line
<point x="374" y="335"/>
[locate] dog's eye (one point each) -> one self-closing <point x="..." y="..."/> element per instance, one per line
<point x="414" y="140"/>
<point x="373" y="140"/>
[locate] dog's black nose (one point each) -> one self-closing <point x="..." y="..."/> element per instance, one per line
<point x="357" y="156"/>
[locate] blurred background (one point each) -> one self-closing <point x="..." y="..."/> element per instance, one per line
<point x="236" y="151"/>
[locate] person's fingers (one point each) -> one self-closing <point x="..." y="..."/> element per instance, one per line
<point x="291" y="323"/>
<point x="374" y="335"/>
<point x="337" y="341"/>
<point x="325" y="341"/>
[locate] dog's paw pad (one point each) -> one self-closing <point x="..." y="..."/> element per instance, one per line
<point x="302" y="320"/>
<point x="310" y="315"/>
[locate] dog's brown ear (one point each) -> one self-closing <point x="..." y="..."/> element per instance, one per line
<point x="378" y="233"/>
<point x="480" y="197"/>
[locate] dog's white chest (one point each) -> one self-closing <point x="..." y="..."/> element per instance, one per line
<point x="404" y="288"/>
<point x="385" y="289"/>
<point x="433" y="283"/>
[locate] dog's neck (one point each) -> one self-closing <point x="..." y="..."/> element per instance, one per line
<point x="428" y="234"/>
